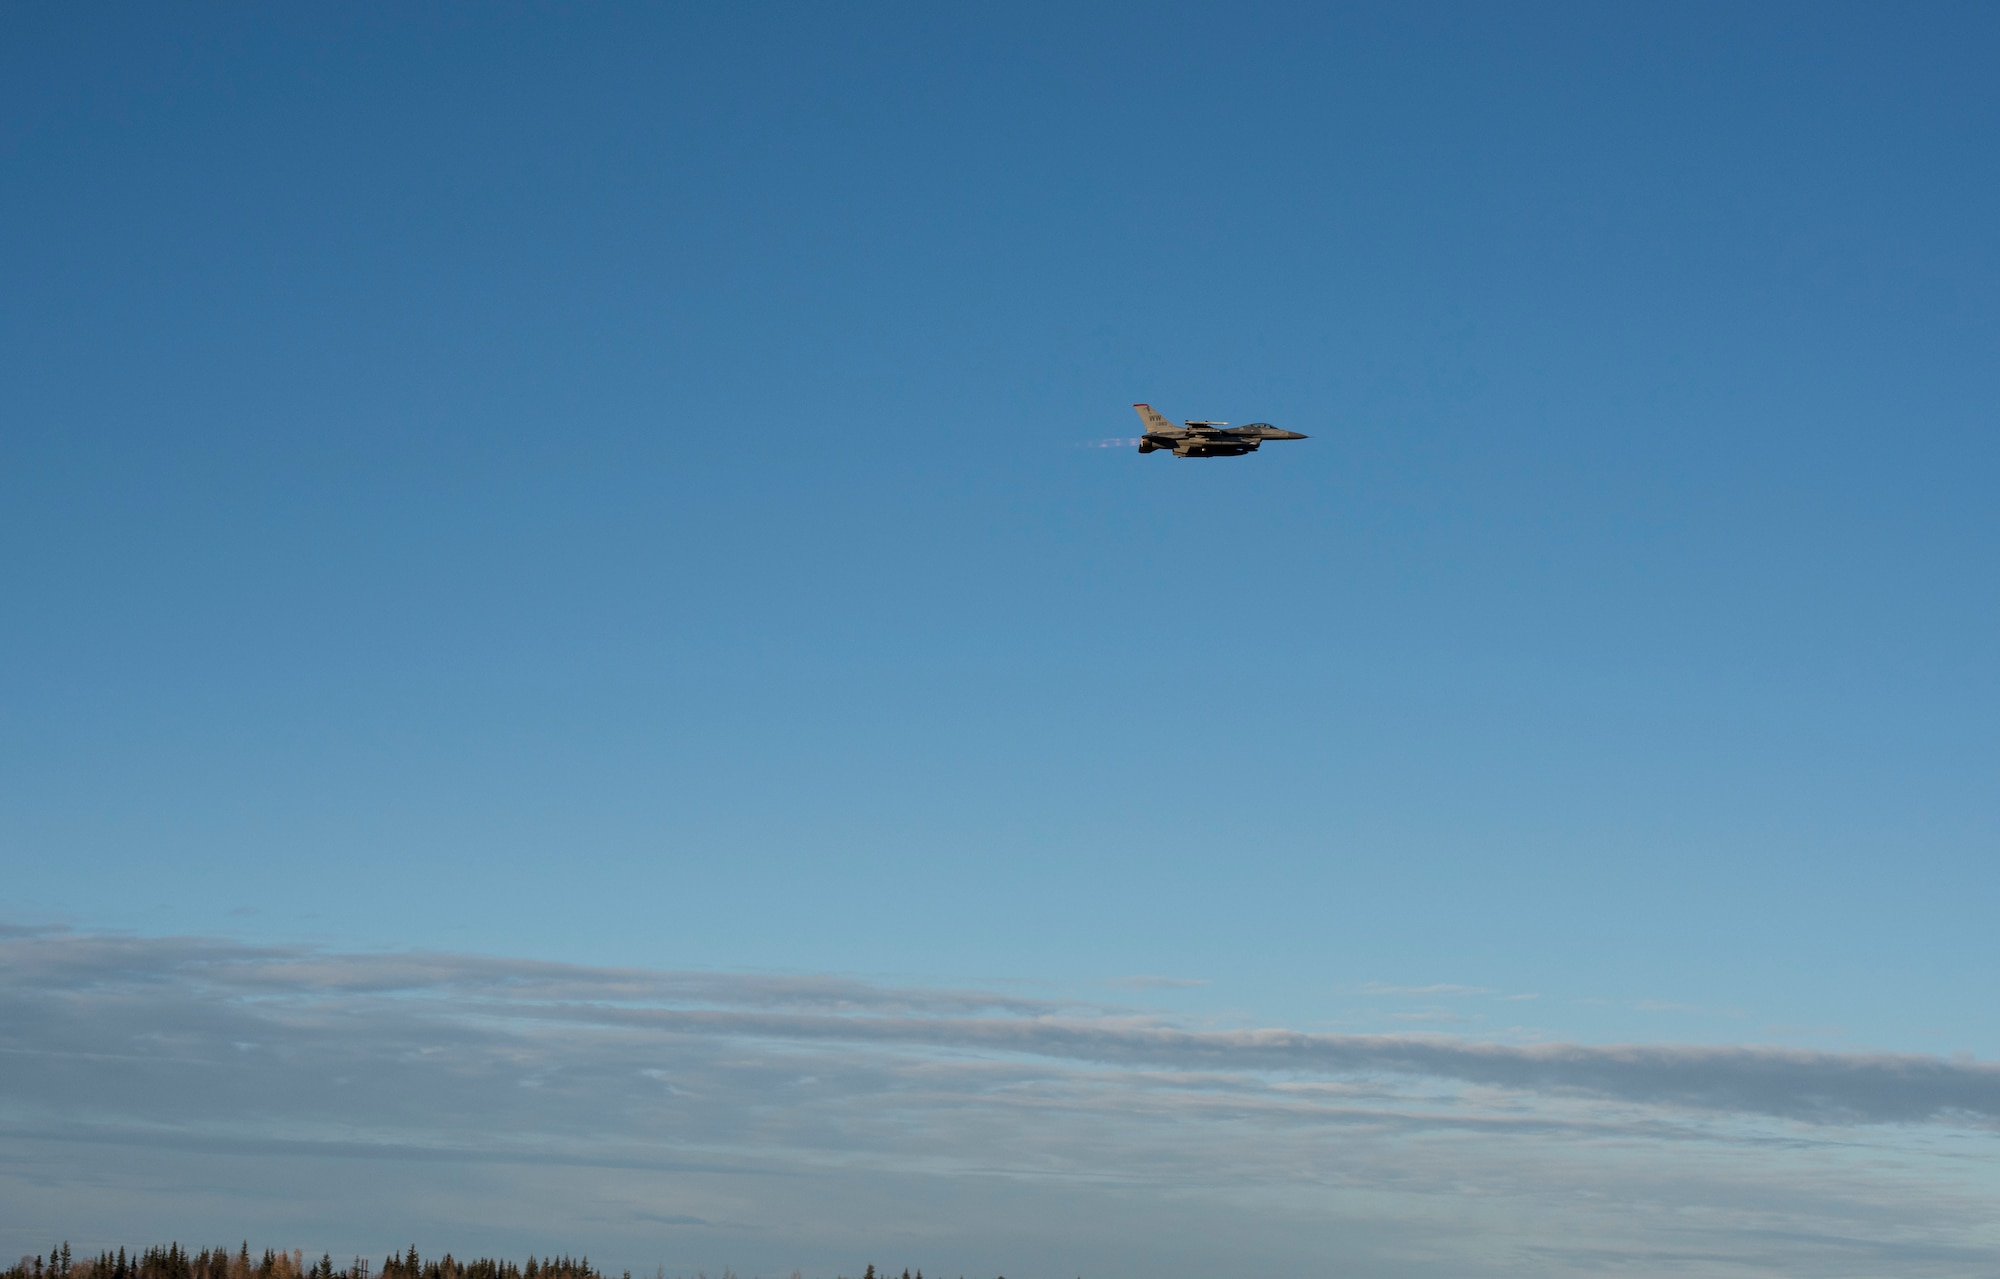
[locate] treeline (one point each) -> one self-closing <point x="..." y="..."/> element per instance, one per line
<point x="176" y="1262"/>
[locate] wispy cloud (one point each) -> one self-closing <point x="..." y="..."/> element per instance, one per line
<point x="241" y="1055"/>
<point x="1431" y="991"/>
<point x="266" y="989"/>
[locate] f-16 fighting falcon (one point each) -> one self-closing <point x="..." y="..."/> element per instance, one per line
<point x="1205" y="439"/>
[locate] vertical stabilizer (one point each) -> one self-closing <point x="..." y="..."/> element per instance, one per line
<point x="1155" y="424"/>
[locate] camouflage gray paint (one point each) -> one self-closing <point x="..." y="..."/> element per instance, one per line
<point x="1205" y="439"/>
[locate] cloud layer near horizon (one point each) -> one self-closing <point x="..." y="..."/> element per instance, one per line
<point x="826" y="1095"/>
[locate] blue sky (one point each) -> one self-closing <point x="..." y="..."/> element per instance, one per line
<point x="616" y="488"/>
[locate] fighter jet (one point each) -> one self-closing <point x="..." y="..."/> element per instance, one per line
<point x="1205" y="439"/>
